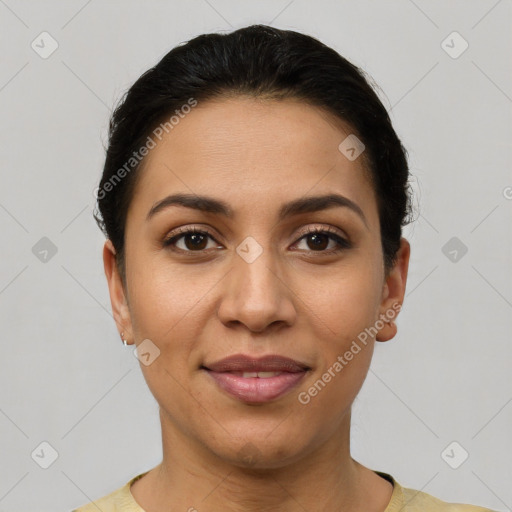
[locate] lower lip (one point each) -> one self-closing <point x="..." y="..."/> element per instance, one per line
<point x="254" y="389"/>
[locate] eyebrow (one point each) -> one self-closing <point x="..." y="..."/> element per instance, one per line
<point x="296" y="207"/>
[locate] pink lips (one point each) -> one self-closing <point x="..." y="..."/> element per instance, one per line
<point x="228" y="374"/>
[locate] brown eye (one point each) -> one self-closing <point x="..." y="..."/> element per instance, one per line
<point x="317" y="240"/>
<point x="193" y="240"/>
<point x="323" y="241"/>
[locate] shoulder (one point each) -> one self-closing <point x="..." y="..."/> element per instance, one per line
<point x="119" y="500"/>
<point x="418" y="500"/>
<point x="404" y="499"/>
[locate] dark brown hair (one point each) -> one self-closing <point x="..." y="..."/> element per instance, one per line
<point x="258" y="61"/>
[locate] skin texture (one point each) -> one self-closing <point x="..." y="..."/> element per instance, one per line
<point x="294" y="300"/>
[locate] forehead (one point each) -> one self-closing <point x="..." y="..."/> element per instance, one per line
<point x="254" y="153"/>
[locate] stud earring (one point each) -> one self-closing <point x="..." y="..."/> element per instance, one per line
<point x="125" y="342"/>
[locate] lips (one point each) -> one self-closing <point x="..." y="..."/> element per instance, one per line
<point x="243" y="363"/>
<point x="256" y="380"/>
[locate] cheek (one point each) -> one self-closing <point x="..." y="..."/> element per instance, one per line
<point x="345" y="347"/>
<point x="344" y="310"/>
<point x="164" y="296"/>
<point x="165" y="310"/>
<point x="329" y="398"/>
<point x="346" y="303"/>
<point x="347" y="351"/>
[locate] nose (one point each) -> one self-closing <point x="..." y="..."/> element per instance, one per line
<point x="256" y="295"/>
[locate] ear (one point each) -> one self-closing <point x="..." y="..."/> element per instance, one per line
<point x="393" y="291"/>
<point x="117" y="293"/>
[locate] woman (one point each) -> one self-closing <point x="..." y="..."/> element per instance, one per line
<point x="253" y="196"/>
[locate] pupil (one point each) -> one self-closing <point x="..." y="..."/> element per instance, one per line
<point x="317" y="240"/>
<point x="197" y="239"/>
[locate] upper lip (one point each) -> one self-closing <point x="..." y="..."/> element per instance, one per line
<point x="245" y="363"/>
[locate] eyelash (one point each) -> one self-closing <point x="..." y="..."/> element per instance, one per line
<point x="343" y="244"/>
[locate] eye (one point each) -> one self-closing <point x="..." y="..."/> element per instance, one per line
<point x="194" y="240"/>
<point x="320" y="238"/>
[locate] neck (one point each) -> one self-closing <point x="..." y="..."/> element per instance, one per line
<point x="193" y="479"/>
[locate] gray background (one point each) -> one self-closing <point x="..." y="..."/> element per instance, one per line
<point x="66" y="378"/>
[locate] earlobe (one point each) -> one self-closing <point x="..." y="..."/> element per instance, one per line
<point x="388" y="332"/>
<point x="394" y="292"/>
<point x="118" y="300"/>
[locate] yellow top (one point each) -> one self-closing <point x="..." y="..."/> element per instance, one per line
<point x="402" y="500"/>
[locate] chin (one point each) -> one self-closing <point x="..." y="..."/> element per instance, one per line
<point x="256" y="452"/>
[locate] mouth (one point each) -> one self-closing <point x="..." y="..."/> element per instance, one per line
<point x="256" y="380"/>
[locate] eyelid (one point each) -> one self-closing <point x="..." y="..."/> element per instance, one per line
<point x="324" y="228"/>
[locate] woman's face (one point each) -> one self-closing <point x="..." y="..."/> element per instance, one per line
<point x="256" y="282"/>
